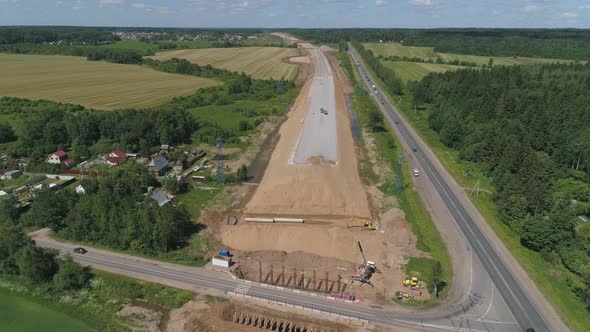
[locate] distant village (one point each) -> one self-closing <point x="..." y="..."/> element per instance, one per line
<point x="142" y="35"/>
<point x="189" y="165"/>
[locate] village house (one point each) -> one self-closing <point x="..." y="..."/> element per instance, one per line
<point x="60" y="157"/>
<point x="160" y="197"/>
<point x="11" y="175"/>
<point x="195" y="154"/>
<point x="158" y="165"/>
<point x="116" y="157"/>
<point x="180" y="165"/>
<point x="57" y="157"/>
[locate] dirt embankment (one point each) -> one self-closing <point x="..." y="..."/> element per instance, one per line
<point x="318" y="189"/>
<point x="326" y="196"/>
<point x="199" y="316"/>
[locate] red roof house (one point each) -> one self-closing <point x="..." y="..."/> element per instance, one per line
<point x="57" y="157"/>
<point x="116" y="157"/>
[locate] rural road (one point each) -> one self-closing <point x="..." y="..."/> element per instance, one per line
<point x="197" y="279"/>
<point x="520" y="294"/>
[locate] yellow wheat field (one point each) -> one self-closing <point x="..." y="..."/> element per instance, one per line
<point x="259" y="62"/>
<point x="94" y="84"/>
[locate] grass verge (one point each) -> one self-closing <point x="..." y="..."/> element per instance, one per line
<point x="97" y="304"/>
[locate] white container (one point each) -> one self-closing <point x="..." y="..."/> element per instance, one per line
<point x="221" y="261"/>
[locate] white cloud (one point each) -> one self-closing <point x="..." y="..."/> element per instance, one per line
<point x="164" y="10"/>
<point x="584" y="7"/>
<point x="380" y="2"/>
<point x="422" y="3"/>
<point x="569" y="15"/>
<point x="532" y="9"/>
<point x="78" y="5"/>
<point x="109" y="3"/>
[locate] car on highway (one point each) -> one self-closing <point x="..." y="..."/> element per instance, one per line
<point x="80" y="251"/>
<point x="415" y="172"/>
<point x="415" y="149"/>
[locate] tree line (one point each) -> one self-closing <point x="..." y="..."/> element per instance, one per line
<point x="19" y="257"/>
<point x="529" y="128"/>
<point x="387" y="75"/>
<point x="49" y="34"/>
<point x="571" y="44"/>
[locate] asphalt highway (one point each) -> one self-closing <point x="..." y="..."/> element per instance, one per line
<point x="197" y="279"/>
<point x="520" y="304"/>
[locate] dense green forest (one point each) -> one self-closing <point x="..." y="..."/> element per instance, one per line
<point x="530" y="129"/>
<point x="544" y="43"/>
<point x="47" y="34"/>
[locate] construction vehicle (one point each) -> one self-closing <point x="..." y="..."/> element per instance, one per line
<point x="368" y="267"/>
<point x="360" y="222"/>
<point x="403" y="295"/>
<point x="413" y="282"/>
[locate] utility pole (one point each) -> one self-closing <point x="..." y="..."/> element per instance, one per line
<point x="220" y="172"/>
<point x="281" y="91"/>
<point x="475" y="188"/>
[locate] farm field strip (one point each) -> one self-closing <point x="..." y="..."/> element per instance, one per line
<point x="414" y="71"/>
<point x="93" y="84"/>
<point x="391" y="49"/>
<point x="259" y="62"/>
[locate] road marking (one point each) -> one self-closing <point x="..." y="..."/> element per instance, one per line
<point x="242" y="288"/>
<point x="490" y="307"/>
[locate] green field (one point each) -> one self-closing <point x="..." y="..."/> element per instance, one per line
<point x="94" y="84"/>
<point x="259" y="62"/>
<point x="415" y="71"/>
<point x="21" y="314"/>
<point x="391" y="49"/>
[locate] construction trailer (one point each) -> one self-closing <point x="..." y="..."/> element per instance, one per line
<point x="221" y="261"/>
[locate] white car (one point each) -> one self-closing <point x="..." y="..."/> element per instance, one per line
<point x="416" y="172"/>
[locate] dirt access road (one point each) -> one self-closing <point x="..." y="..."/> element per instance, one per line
<point x="313" y="171"/>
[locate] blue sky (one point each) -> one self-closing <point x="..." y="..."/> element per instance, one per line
<point x="299" y="13"/>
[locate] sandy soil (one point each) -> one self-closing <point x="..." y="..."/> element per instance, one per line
<point x="329" y="247"/>
<point x="200" y="316"/>
<point x="300" y="59"/>
<point x="312" y="189"/>
<point x="326" y="196"/>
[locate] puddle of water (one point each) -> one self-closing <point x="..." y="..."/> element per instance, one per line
<point x="260" y="163"/>
<point x="354" y="125"/>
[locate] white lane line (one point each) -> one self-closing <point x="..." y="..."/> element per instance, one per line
<point x="440" y="327"/>
<point x="498" y="322"/>
<point x="491" y="304"/>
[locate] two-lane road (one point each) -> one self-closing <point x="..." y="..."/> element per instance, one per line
<point x="522" y="307"/>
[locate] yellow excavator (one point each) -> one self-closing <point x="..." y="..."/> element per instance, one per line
<point x="360" y="222"/>
<point x="413" y="282"/>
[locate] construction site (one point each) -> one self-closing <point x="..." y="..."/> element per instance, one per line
<point x="310" y="223"/>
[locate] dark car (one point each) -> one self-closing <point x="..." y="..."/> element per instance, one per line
<point x="80" y="250"/>
<point x="530" y="330"/>
<point x="415" y="149"/>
